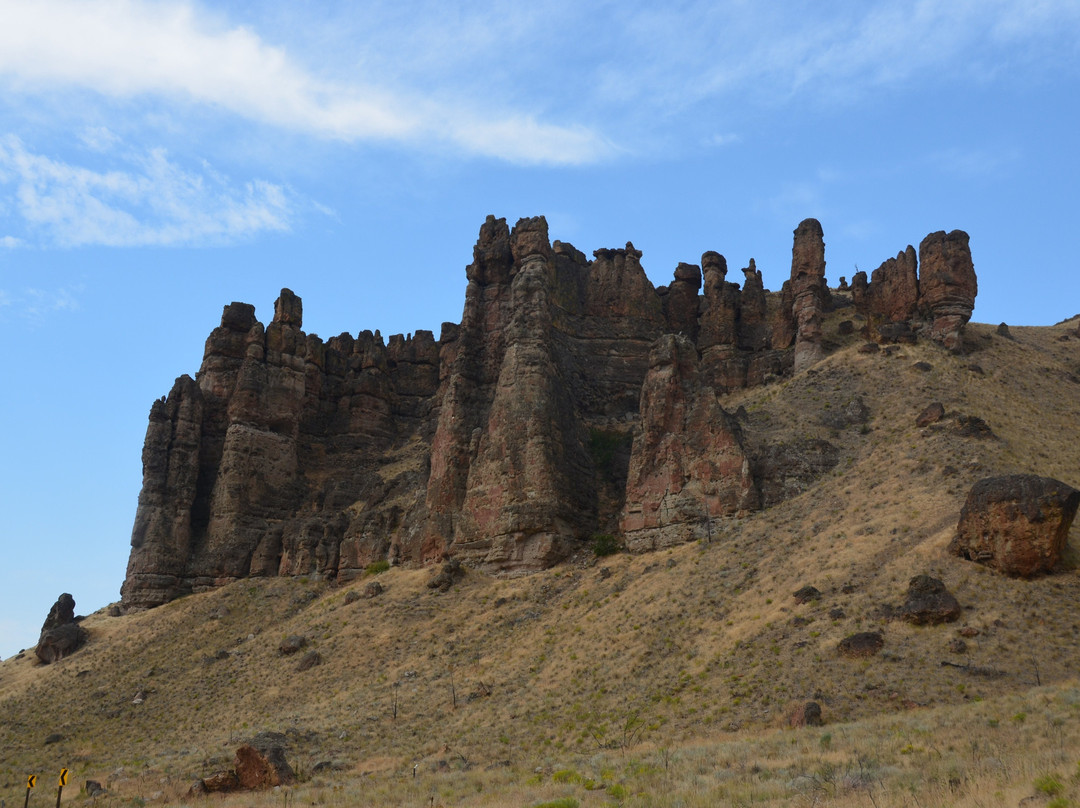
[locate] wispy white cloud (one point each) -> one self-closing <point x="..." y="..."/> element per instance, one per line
<point x="150" y="201"/>
<point x="720" y="140"/>
<point x="10" y="242"/>
<point x="36" y="304"/>
<point x="133" y="48"/>
<point x="98" y="138"/>
<point x="40" y="302"/>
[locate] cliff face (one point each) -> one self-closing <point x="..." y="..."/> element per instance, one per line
<point x="574" y="398"/>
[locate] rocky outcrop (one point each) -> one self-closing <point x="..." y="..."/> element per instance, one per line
<point x="808" y="292"/>
<point x="61" y="635"/>
<point x="1016" y="524"/>
<point x="687" y="465"/>
<point x="947" y="286"/>
<point x="902" y="301"/>
<point x="572" y="398"/>
<point x="892" y="298"/>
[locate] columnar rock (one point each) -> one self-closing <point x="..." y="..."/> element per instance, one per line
<point x="720" y="310"/>
<point x="1017" y="524"/>
<point x="807" y="289"/>
<point x="544" y="417"/>
<point x="529" y="491"/>
<point x="161" y="540"/>
<point x="688" y="465"/>
<point x="681" y="301"/>
<point x="753" y="320"/>
<point x="947" y="286"/>
<point x="892" y="298"/>
<point x="860" y="288"/>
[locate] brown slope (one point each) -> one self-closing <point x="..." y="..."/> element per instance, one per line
<point x="697" y="640"/>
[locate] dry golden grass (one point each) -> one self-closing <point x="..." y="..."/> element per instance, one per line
<point x="659" y="680"/>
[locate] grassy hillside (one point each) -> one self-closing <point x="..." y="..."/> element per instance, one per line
<point x="661" y="679"/>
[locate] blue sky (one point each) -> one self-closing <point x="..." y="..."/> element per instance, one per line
<point x="161" y="159"/>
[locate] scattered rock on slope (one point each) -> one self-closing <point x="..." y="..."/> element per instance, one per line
<point x="1016" y="524"/>
<point x="863" y="644"/>
<point x="931" y="415"/>
<point x="929" y="602"/>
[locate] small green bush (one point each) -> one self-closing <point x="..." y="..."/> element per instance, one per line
<point x="375" y="567"/>
<point x="604" y="544"/>
<point x="566" y="776"/>
<point x="562" y="802"/>
<point x="1049" y="784"/>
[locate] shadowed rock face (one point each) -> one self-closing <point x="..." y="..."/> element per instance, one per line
<point x="557" y="408"/>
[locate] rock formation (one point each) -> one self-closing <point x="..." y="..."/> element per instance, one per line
<point x="687" y="465"/>
<point x="61" y="635"/>
<point x="1016" y="524"/>
<point x="900" y="301"/>
<point x="808" y="292"/>
<point x="572" y="399"/>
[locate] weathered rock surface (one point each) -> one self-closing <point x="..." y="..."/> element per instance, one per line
<point x="572" y="398"/>
<point x="808" y="292"/>
<point x="929" y="602"/>
<point x="947" y="286"/>
<point x="60" y="635"/>
<point x="932" y="294"/>
<point x="687" y="465"/>
<point x="257" y="765"/>
<point x="1016" y="524"/>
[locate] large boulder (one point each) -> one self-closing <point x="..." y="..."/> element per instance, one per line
<point x="262" y="768"/>
<point x="1016" y="524"/>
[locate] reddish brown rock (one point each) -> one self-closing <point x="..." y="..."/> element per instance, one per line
<point x="931" y="414"/>
<point x="947" y="286"/>
<point x="892" y="298"/>
<point x="720" y="310"/>
<point x="262" y="768"/>
<point x="688" y="465"/>
<point x="1016" y="524"/>
<point x="220" y="782"/>
<point x="506" y="442"/>
<point x="753" y="314"/>
<point x="681" y="301"/>
<point x="807" y="289"/>
<point x="807" y="714"/>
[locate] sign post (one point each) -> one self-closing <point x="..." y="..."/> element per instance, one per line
<point x="60" y="786"/>
<point x="31" y="781"/>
